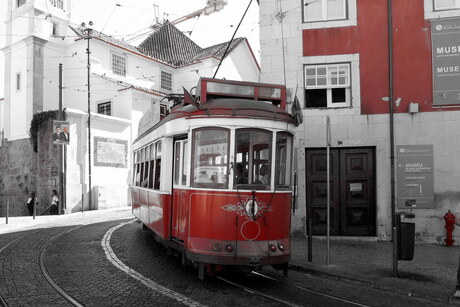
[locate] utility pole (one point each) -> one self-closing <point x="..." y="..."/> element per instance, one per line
<point x="88" y="37"/>
<point x="61" y="147"/>
<point x="392" y="140"/>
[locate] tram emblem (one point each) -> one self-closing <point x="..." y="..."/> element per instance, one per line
<point x="251" y="208"/>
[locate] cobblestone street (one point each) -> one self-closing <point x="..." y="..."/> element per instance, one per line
<point x="142" y="274"/>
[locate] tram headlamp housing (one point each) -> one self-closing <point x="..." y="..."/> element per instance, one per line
<point x="229" y="248"/>
<point x="216" y="247"/>
<point x="272" y="247"/>
<point x="280" y="246"/>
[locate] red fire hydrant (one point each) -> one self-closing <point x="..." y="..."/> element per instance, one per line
<point x="450" y="225"/>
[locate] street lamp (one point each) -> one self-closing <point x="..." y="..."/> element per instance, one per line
<point x="88" y="36"/>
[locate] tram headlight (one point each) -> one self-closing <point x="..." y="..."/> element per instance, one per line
<point x="216" y="247"/>
<point x="229" y="248"/>
<point x="280" y="246"/>
<point x="272" y="247"/>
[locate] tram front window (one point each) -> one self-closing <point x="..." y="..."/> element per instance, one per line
<point x="210" y="158"/>
<point x="253" y="159"/>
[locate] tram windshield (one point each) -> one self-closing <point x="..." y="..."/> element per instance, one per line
<point x="210" y="158"/>
<point x="253" y="158"/>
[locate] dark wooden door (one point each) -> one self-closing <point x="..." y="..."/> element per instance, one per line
<point x="352" y="175"/>
<point x="317" y="191"/>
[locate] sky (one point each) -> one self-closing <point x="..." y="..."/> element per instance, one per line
<point x="127" y="19"/>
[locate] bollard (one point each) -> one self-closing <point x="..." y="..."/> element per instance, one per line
<point x="310" y="240"/>
<point x="35" y="208"/>
<point x="7" y="209"/>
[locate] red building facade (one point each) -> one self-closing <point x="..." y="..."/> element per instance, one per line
<point x="336" y="54"/>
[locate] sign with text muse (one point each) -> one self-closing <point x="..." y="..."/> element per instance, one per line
<point x="445" y="37"/>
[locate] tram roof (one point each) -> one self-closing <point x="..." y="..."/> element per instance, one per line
<point x="224" y="108"/>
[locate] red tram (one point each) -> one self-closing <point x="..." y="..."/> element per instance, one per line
<point x="213" y="178"/>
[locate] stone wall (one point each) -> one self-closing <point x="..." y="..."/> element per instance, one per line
<point x="22" y="171"/>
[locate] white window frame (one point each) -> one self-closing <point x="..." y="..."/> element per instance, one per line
<point x="455" y="6"/>
<point x="329" y="77"/>
<point x="324" y="10"/>
<point x="163" y="85"/>
<point x="117" y="67"/>
<point x="434" y="12"/>
<point x="355" y="99"/>
<point x="349" y="20"/>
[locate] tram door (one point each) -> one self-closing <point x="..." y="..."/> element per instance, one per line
<point x="352" y="191"/>
<point x="179" y="209"/>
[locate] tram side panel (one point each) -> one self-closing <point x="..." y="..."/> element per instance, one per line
<point x="152" y="209"/>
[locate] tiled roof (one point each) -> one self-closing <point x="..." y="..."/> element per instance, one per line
<point x="218" y="50"/>
<point x="168" y="45"/>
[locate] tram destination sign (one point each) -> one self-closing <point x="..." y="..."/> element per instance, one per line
<point x="445" y="37"/>
<point x="415" y="184"/>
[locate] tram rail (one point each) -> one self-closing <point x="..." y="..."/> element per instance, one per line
<point x="286" y="301"/>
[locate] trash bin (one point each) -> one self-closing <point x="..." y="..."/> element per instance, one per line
<point x="406" y="236"/>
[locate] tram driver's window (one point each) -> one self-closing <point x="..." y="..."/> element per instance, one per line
<point x="210" y="158"/>
<point x="283" y="160"/>
<point x="253" y="159"/>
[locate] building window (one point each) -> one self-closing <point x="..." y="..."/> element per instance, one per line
<point x="324" y="10"/>
<point x="440" y="5"/>
<point x="166" y="81"/>
<point x="57" y="3"/>
<point x="54" y="30"/>
<point x="327" y="86"/>
<point x="119" y="65"/>
<point x="18" y="81"/>
<point x="104" y="108"/>
<point x="163" y="111"/>
<point x="20" y="2"/>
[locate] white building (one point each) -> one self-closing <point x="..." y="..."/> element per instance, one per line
<point x="125" y="82"/>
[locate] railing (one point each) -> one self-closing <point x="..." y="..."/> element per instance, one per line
<point x="57" y="3"/>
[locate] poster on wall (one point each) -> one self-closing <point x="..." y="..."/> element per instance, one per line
<point x="415" y="183"/>
<point x="109" y="152"/>
<point x="445" y="37"/>
<point x="60" y="133"/>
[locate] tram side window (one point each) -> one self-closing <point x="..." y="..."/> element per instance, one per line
<point x="253" y="159"/>
<point x="283" y="161"/>
<point x="210" y="158"/>
<point x="155" y="165"/>
<point x="137" y="168"/>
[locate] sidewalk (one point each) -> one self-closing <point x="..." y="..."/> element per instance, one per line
<point x="431" y="274"/>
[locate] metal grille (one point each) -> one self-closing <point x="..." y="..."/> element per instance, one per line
<point x="105" y="108"/>
<point x="166" y="80"/>
<point x="119" y="65"/>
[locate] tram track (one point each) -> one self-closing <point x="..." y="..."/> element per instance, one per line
<point x="2" y="301"/>
<point x="43" y="269"/>
<point x="265" y="283"/>
<point x="46" y="274"/>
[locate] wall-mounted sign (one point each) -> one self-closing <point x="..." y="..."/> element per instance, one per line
<point x="445" y="37"/>
<point x="110" y="152"/>
<point x="415" y="182"/>
<point x="60" y="133"/>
